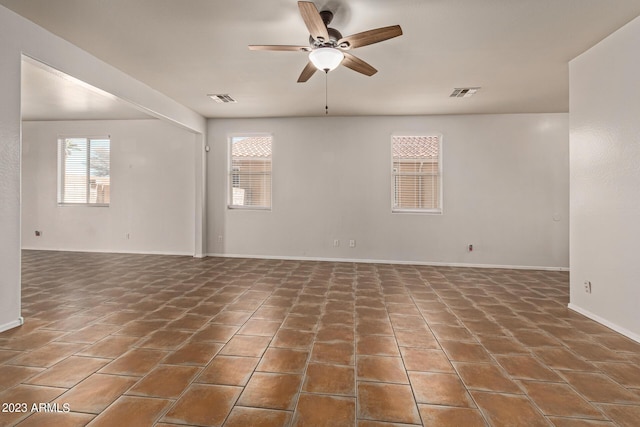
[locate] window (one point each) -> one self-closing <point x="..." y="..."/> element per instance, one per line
<point x="83" y="171"/>
<point x="416" y="174"/>
<point x="250" y="172"/>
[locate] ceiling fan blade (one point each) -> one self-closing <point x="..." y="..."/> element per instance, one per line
<point x="308" y="71"/>
<point x="313" y="20"/>
<point x="372" y="36"/>
<point x="357" y="64"/>
<point x="281" y="48"/>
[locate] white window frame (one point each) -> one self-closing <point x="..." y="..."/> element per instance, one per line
<point x="393" y="174"/>
<point x="61" y="170"/>
<point x="231" y="172"/>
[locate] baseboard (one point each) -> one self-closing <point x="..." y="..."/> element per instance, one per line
<point x="12" y="324"/>
<point x="627" y="333"/>
<point x="381" y="261"/>
<point x="100" y="251"/>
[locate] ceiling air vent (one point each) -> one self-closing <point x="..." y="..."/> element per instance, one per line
<point x="222" y="98"/>
<point x="463" y="92"/>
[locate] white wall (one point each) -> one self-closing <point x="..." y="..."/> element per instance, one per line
<point x="505" y="178"/>
<point x="605" y="180"/>
<point x="152" y="189"/>
<point x="20" y="36"/>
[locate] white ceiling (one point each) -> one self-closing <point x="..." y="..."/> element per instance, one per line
<point x="516" y="50"/>
<point x="48" y="94"/>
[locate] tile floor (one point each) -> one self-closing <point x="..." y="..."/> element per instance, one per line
<point x="142" y="340"/>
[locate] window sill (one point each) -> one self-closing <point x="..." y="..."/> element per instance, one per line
<point x="89" y="205"/>
<point x="418" y="211"/>
<point x="248" y="208"/>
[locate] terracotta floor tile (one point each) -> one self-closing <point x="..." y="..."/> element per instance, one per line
<point x="228" y="317"/>
<point x="137" y="362"/>
<point x="502" y="345"/>
<point x="329" y="379"/>
<point x="381" y="369"/>
<point x="427" y="360"/>
<point x="407" y="322"/>
<point x="57" y="419"/>
<point x="90" y="334"/>
<point x="260" y="327"/>
<point x="69" y="372"/>
<point x="532" y="338"/>
<point x="627" y="374"/>
<point x="301" y="323"/>
<point x="599" y="388"/>
<point x="229" y="370"/>
<point x="203" y="405"/>
<point x="12" y="375"/>
<point x="110" y="347"/>
<point x="96" y="392"/>
<point x="246" y="345"/>
<point x="47" y="355"/>
<point x="451" y="333"/>
<point x="560" y="400"/>
<point x="465" y="352"/>
<point x="32" y="340"/>
<point x="439" y="389"/>
<point x="342" y="318"/>
<point x="387" y="402"/>
<point x="120" y="317"/>
<point x="617" y="342"/>
<point x="217" y="333"/>
<point x="577" y="422"/>
<point x="194" y="353"/>
<point x="6" y="355"/>
<point x="623" y="415"/>
<point x="270" y="313"/>
<point x="133" y="411"/>
<point x="140" y="328"/>
<point x="322" y="324"/>
<point x="165" y="381"/>
<point x="283" y="360"/>
<point x="485" y="376"/>
<point x="339" y="353"/>
<point x="271" y="391"/>
<point x="335" y="333"/>
<point x="165" y="339"/>
<point x="417" y="338"/>
<point x="594" y="352"/>
<point x="450" y="417"/>
<point x="377" y="345"/>
<point x="373" y="327"/>
<point x="561" y="358"/>
<point x="241" y="416"/>
<point x="508" y="410"/>
<point x="188" y="322"/>
<point x="527" y="367"/>
<point x="25" y="394"/>
<point x="319" y="410"/>
<point x="290" y="338"/>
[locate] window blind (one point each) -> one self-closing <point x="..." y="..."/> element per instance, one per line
<point x="250" y="172"/>
<point x="416" y="173"/>
<point x="84" y="171"/>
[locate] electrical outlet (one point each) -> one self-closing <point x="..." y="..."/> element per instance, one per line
<point x="336" y="243"/>
<point x="587" y="286"/>
<point x="470" y="248"/>
<point x="352" y="243"/>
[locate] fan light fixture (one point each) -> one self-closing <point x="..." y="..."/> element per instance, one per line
<point x="326" y="58"/>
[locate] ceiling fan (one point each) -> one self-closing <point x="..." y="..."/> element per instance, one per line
<point x="327" y="48"/>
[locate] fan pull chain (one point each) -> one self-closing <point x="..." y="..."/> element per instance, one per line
<point x="326" y="92"/>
